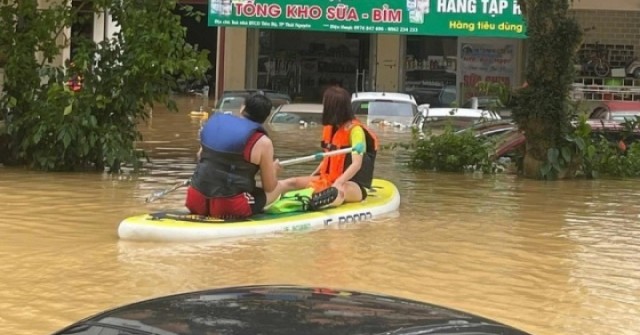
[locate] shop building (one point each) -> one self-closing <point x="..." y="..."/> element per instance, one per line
<point x="437" y="50"/>
<point x="437" y="63"/>
<point x="301" y="57"/>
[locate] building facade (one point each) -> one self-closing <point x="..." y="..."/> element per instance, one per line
<point x="300" y="62"/>
<point x="435" y="68"/>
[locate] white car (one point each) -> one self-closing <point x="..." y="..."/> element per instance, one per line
<point x="378" y="108"/>
<point x="398" y="109"/>
<point x="297" y="113"/>
<point x="459" y="118"/>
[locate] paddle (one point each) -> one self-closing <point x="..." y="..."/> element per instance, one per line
<point x="315" y="157"/>
<point x="320" y="155"/>
<point x="159" y="194"/>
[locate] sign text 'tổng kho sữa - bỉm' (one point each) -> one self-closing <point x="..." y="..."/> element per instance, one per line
<point x="487" y="18"/>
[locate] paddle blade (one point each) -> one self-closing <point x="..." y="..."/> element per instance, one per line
<point x="155" y="196"/>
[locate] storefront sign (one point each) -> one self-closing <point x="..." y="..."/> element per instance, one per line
<point x="494" y="18"/>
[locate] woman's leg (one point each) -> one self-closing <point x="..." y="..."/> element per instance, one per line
<point x="297" y="183"/>
<point x="287" y="185"/>
<point x="352" y="192"/>
<point x="349" y="192"/>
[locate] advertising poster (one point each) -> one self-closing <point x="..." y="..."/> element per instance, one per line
<point x="489" y="60"/>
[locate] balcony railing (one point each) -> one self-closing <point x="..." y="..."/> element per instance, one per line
<point x="604" y="89"/>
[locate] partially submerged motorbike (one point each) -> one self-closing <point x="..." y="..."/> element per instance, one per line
<point x="632" y="68"/>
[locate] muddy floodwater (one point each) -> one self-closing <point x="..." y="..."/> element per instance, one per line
<point x="550" y="258"/>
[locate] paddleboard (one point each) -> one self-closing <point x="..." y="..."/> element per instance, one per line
<point x="176" y="226"/>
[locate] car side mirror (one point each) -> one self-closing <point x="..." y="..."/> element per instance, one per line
<point x="474" y="102"/>
<point x="423" y="109"/>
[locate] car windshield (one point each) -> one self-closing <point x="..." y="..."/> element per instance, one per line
<point x="484" y="103"/>
<point x="296" y="117"/>
<point x="279" y="102"/>
<point x="447" y="97"/>
<point x="457" y="123"/>
<point x="384" y="108"/>
<point x="231" y="103"/>
<point x="279" y="96"/>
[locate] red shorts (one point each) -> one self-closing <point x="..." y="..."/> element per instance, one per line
<point x="238" y="206"/>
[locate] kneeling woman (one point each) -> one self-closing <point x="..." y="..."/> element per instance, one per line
<point x="341" y="178"/>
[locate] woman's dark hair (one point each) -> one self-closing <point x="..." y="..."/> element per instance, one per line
<point x="257" y="108"/>
<point x="336" y="107"/>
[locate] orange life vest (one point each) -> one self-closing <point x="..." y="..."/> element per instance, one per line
<point x="332" y="167"/>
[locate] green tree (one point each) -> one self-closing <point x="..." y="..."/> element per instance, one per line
<point x="541" y="109"/>
<point x="52" y="127"/>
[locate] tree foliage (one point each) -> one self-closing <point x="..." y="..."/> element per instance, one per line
<point x="52" y="127"/>
<point x="452" y="152"/>
<point x="605" y="153"/>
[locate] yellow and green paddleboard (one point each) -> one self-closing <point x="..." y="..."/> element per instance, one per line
<point x="180" y="227"/>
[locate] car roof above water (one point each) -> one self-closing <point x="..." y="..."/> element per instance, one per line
<point x="615" y="106"/>
<point x="392" y="96"/>
<point x="301" y="108"/>
<point x="461" y="112"/>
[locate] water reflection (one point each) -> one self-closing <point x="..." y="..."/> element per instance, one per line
<point x="550" y="258"/>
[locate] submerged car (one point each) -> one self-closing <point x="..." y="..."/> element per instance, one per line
<point x="231" y="104"/>
<point x="305" y="114"/>
<point x="492" y="103"/>
<point x="384" y="107"/>
<point x="284" y="310"/>
<point x="458" y="118"/>
<point x="374" y="108"/>
<point x="436" y="95"/>
<point x="271" y="94"/>
<point x="619" y="111"/>
<point x="514" y="140"/>
<point x="232" y="101"/>
<point x="491" y="129"/>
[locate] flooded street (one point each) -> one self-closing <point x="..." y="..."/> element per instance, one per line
<point x="549" y="258"/>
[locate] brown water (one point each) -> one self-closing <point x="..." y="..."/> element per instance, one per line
<point x="549" y="258"/>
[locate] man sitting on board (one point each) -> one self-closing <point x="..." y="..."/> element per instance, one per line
<point x="233" y="149"/>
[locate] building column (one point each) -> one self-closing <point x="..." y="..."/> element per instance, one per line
<point x="231" y="59"/>
<point x="388" y="63"/>
<point x="104" y="27"/>
<point x="63" y="39"/>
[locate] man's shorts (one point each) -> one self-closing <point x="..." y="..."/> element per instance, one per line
<point x="238" y="206"/>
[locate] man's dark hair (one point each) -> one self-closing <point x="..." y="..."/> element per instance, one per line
<point x="257" y="108"/>
<point x="336" y="107"/>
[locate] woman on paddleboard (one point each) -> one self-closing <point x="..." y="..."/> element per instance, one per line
<point x="340" y="178"/>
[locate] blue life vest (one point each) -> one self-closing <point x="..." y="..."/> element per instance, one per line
<point x="222" y="170"/>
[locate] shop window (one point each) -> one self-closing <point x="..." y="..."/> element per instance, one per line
<point x="430" y="69"/>
<point x="82" y="26"/>
<point x="303" y="64"/>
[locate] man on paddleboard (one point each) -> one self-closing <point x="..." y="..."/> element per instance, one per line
<point x="233" y="149"/>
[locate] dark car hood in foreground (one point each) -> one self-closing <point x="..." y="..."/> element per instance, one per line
<point x="284" y="310"/>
